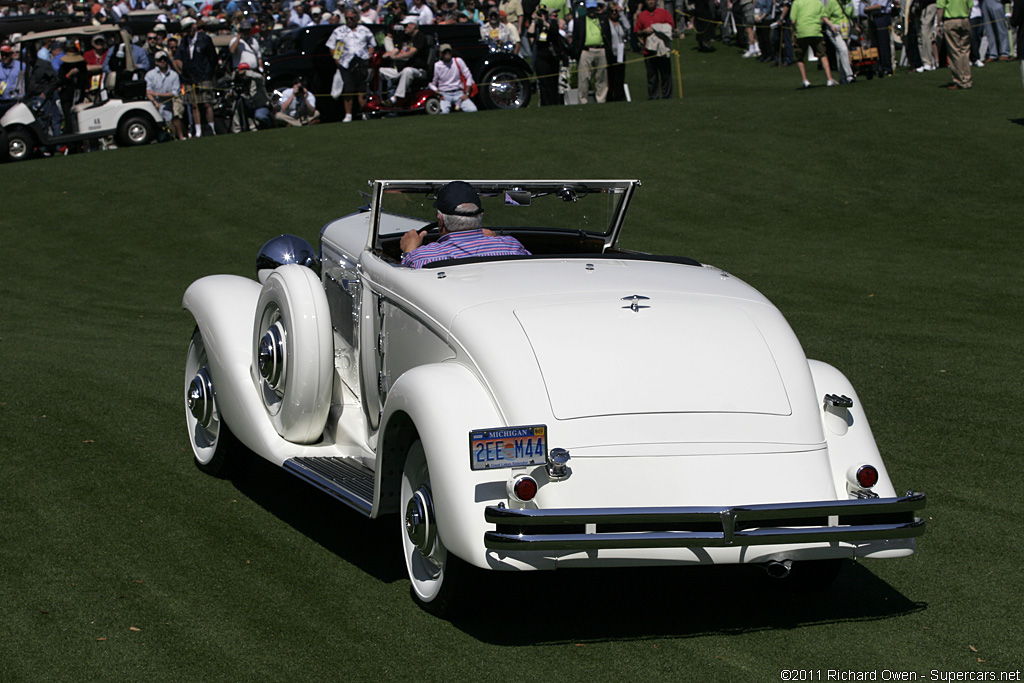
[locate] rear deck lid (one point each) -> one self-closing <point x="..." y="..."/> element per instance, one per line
<point x="612" y="357"/>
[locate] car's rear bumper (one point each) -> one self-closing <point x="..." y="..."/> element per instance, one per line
<point x="844" y="521"/>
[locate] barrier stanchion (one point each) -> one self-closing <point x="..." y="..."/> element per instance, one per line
<point x="679" y="74"/>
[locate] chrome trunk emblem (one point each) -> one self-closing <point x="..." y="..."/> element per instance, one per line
<point x="635" y="299"/>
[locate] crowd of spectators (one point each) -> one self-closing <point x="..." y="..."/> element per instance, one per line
<point x="179" y="66"/>
<point x="873" y="37"/>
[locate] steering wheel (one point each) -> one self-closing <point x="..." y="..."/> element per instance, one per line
<point x="433" y="232"/>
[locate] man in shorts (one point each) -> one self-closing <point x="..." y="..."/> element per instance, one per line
<point x="745" y="16"/>
<point x="195" y="60"/>
<point x="162" y="87"/>
<point x="808" y="16"/>
<point x="351" y="46"/>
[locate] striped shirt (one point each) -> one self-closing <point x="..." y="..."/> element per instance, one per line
<point x="461" y="245"/>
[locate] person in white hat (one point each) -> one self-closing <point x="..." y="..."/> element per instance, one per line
<point x="195" y="61"/>
<point x="409" y="59"/>
<point x="298" y="18"/>
<point x="162" y="88"/>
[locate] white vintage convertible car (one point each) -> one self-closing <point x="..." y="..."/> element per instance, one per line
<point x="582" y="406"/>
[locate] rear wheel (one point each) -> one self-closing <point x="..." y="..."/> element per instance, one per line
<point x="432" y="106"/>
<point x="20" y="145"/>
<point x="134" y="131"/>
<point x="435" y="573"/>
<point x="505" y="88"/>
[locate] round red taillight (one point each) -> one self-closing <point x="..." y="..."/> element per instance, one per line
<point x="867" y="476"/>
<point x="525" y="488"/>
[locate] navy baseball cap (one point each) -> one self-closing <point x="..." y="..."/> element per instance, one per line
<point x="455" y="194"/>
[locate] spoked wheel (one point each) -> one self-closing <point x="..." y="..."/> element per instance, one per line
<point x="435" y="573"/>
<point x="505" y="88"/>
<point x="214" y="447"/>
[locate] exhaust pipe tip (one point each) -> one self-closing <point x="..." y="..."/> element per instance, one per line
<point x="779" y="569"/>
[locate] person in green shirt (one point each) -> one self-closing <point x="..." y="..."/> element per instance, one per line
<point x="841" y="15"/>
<point x="808" y="17"/>
<point x="559" y="9"/>
<point x="955" y="25"/>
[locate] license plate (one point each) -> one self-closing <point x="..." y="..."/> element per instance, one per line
<point x="507" y="447"/>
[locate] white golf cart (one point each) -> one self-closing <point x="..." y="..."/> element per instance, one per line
<point x="115" y="105"/>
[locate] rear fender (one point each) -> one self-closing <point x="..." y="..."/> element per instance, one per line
<point x="444" y="402"/>
<point x="849" y="437"/>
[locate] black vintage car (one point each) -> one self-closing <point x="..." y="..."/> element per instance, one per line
<point x="500" y="75"/>
<point x="29" y="23"/>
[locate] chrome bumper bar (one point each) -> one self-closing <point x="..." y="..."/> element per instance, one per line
<point x="678" y="527"/>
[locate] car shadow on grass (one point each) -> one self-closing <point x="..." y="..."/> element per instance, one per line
<point x="583" y="605"/>
<point x="593" y="605"/>
<point x="369" y="544"/>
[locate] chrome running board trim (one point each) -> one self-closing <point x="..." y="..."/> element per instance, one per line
<point x="339" y="478"/>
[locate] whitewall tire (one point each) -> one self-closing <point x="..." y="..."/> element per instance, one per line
<point x="214" y="447"/>
<point x="293" y="353"/>
<point x="436" y="575"/>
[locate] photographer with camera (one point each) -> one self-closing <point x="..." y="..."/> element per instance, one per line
<point x="298" y="106"/>
<point x="248" y="86"/>
<point x="550" y="50"/>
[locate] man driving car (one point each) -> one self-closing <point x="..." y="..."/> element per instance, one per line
<point x="460" y="221"/>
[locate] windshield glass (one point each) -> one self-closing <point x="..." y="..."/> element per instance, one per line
<point x="592" y="207"/>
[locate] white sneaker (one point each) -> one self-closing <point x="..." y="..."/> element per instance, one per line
<point x="832" y="82"/>
<point x="807" y="84"/>
<point x="347" y="119"/>
<point x="749" y="53"/>
<point x="979" y="64"/>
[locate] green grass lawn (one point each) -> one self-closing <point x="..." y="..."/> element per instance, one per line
<point x="880" y="217"/>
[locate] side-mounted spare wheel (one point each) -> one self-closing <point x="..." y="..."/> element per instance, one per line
<point x="293" y="353"/>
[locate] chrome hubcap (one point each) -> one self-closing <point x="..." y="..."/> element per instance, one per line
<point x="137" y="132"/>
<point x="419" y="520"/>
<point x="200" y="397"/>
<point x="272" y="355"/>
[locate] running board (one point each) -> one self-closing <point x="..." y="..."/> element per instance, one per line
<point x="339" y="478"/>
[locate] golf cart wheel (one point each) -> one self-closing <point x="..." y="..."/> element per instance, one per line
<point x="20" y="145"/>
<point x="135" y="131"/>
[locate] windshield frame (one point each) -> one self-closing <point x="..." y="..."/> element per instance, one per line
<point x="537" y="188"/>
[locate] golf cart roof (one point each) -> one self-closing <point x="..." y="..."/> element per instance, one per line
<point x="77" y="31"/>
